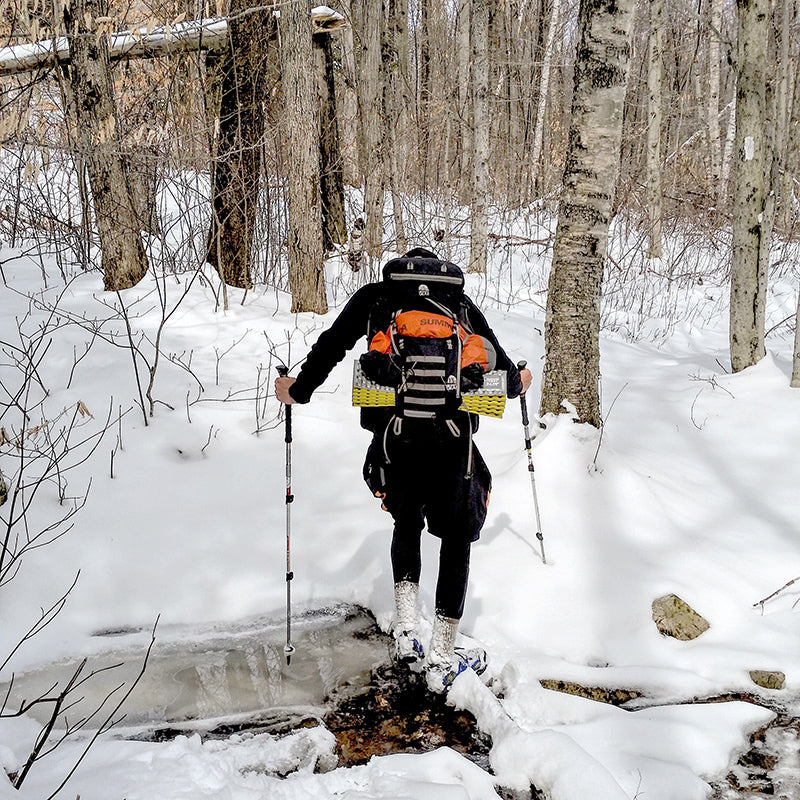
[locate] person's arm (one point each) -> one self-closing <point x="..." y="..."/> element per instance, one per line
<point x="330" y="348"/>
<point x="516" y="383"/>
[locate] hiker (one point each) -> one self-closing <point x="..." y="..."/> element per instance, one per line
<point x="422" y="461"/>
<point x="355" y="245"/>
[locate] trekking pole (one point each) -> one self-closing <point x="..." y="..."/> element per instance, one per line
<point x="289" y="648"/>
<point x="525" y="424"/>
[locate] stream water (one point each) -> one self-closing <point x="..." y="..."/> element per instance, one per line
<point x="215" y="671"/>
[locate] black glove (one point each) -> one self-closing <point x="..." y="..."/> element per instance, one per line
<point x="380" y="368"/>
<point x="472" y="378"/>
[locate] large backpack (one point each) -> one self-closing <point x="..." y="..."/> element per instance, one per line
<point x="427" y="353"/>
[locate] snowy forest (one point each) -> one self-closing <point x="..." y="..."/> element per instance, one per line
<point x="188" y="197"/>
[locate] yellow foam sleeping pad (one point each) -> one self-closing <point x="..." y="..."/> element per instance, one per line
<point x="489" y="400"/>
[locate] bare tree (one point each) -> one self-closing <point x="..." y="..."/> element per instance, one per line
<point x="123" y="255"/>
<point x="748" y="266"/>
<point x="239" y="70"/>
<point x="479" y="201"/>
<point x="368" y="15"/>
<point x="655" y="108"/>
<point x="714" y="146"/>
<point x="795" y="382"/>
<point x="572" y="323"/>
<point x="301" y="120"/>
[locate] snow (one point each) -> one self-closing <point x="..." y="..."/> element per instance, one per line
<point x="692" y="489"/>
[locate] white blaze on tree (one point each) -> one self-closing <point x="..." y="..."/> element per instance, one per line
<point x="750" y="257"/>
<point x="572" y="323"/>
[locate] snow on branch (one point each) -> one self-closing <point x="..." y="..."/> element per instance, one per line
<point x="146" y="41"/>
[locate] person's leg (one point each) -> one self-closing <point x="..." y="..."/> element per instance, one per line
<point x="451" y="584"/>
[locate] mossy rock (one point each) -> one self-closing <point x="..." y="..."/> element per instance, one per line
<point x="768" y="679"/>
<point x="675" y="617"/>
<point x="614" y="697"/>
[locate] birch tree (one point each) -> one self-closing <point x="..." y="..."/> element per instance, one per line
<point x="748" y="265"/>
<point x="301" y="120"/>
<point x="572" y="321"/>
<point x="654" y="104"/>
<point x="480" y="126"/>
<point x="544" y="89"/>
<point x="714" y="146"/>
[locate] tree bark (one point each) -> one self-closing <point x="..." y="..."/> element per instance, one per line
<point x="544" y="89"/>
<point x="795" y="382"/>
<point x="748" y="265"/>
<point x="572" y="322"/>
<point x="463" y="80"/>
<point x="654" y="103"/>
<point x="369" y="15"/>
<point x="240" y="130"/>
<point x="717" y="190"/>
<point x="301" y="120"/>
<point x="334" y="226"/>
<point x="395" y="72"/>
<point x="123" y="256"/>
<point x="480" y="125"/>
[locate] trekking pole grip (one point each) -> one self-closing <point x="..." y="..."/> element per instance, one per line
<point x="283" y="371"/>
<point x="524" y="406"/>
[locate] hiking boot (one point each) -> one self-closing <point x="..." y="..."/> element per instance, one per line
<point x="407" y="646"/>
<point x="439" y="677"/>
<point x="445" y="661"/>
<point x="408" y="649"/>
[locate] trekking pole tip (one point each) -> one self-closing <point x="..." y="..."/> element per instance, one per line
<point x="288" y="652"/>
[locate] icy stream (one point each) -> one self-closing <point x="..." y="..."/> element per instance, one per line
<point x="215" y="671"/>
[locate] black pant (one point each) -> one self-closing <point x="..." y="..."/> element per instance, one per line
<point x="431" y="475"/>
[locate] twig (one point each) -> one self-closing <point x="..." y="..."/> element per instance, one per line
<point x="775" y="593"/>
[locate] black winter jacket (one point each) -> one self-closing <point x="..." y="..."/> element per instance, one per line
<point x="371" y="309"/>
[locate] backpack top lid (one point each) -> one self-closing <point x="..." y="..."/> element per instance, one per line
<point x="420" y="267"/>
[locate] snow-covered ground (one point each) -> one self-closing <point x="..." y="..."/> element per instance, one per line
<point x="692" y="490"/>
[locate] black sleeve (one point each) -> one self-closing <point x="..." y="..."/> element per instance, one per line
<point x="480" y="326"/>
<point x="333" y="344"/>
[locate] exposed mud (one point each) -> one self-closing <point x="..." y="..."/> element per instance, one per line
<point x="395" y="713"/>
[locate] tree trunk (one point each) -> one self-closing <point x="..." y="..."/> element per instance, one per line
<point x="334" y="226"/>
<point x="240" y="130"/>
<point x="98" y="142"/>
<point x="463" y="80"/>
<point x="718" y="191"/>
<point x="301" y="120"/>
<point x="480" y="125"/>
<point x="368" y="15"/>
<point x="397" y="51"/>
<point x="544" y="88"/>
<point x="572" y="323"/>
<point x="788" y="200"/>
<point x="795" y="383"/>
<point x="748" y="266"/>
<point x="349" y="107"/>
<point x="654" y="103"/>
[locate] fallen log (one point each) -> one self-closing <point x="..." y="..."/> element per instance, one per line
<point x="146" y="41"/>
